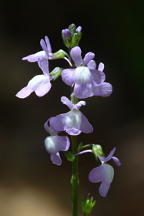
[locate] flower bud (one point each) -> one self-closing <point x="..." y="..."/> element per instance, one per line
<point x="56" y="73"/>
<point x="66" y="34"/>
<point x="78" y="29"/>
<point x="71" y="35"/>
<point x="88" y="205"/>
<point x="97" y="150"/>
<point x="60" y="54"/>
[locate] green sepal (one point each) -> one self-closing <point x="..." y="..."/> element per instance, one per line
<point x="60" y="54"/>
<point x="56" y="73"/>
<point x="97" y="150"/>
<point x="69" y="155"/>
<point x="75" y="39"/>
<point x="72" y="28"/>
<point x="67" y="42"/>
<point x="88" y="204"/>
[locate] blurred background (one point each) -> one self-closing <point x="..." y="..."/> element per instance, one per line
<point x="29" y="183"/>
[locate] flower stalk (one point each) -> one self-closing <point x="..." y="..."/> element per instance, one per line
<point x="74" y="177"/>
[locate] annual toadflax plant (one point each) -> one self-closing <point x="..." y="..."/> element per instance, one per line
<point x="85" y="79"/>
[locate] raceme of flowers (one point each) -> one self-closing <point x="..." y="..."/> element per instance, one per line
<point x="86" y="79"/>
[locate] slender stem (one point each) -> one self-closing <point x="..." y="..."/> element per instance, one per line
<point x="74" y="178"/>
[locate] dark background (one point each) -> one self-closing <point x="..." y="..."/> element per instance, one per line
<point x="29" y="183"/>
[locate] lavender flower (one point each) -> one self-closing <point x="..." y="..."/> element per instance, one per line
<point x="43" y="55"/>
<point x="54" y="144"/>
<point x="104" y="173"/>
<point x="39" y="84"/>
<point x="73" y="122"/>
<point x="86" y="79"/>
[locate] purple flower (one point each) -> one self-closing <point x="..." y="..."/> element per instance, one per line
<point x="43" y="55"/>
<point x="72" y="122"/>
<point x="39" y="84"/>
<point x="104" y="173"/>
<point x="86" y="79"/>
<point x="54" y="144"/>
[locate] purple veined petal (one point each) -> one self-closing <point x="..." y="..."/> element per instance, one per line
<point x="24" y="92"/>
<point x="40" y="84"/>
<point x="98" y="76"/>
<point x="56" y="143"/>
<point x="101" y="66"/>
<point x="64" y="143"/>
<point x="96" y="174"/>
<point x="104" y="188"/>
<point x="83" y="90"/>
<point x="117" y="161"/>
<point x="56" y="159"/>
<point x="82" y="75"/>
<point x="57" y="122"/>
<point x="75" y="54"/>
<point x="109" y="157"/>
<point x="48" y="44"/>
<point x="49" y="129"/>
<point x="68" y="76"/>
<point x="88" y="57"/>
<point x="85" y="127"/>
<point x="35" y="57"/>
<point x="91" y="65"/>
<point x="44" y="66"/>
<point x="43" y="89"/>
<point x="103" y="90"/>
<point x="73" y="131"/>
<point x="67" y="102"/>
<point x="79" y="104"/>
<point x="43" y="46"/>
<point x="72" y="122"/>
<point x="102" y="173"/>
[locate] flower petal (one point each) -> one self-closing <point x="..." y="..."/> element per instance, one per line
<point x="56" y="143"/>
<point x="82" y="75"/>
<point x="79" y="104"/>
<point x="35" y="57"/>
<point x="104" y="89"/>
<point x="83" y="90"/>
<point x="98" y="76"/>
<point x="88" y="57"/>
<point x="109" y="157"/>
<point x="104" y="188"/>
<point x="75" y="54"/>
<point x="37" y="80"/>
<point x="45" y="44"/>
<point x="57" y="122"/>
<point x="102" y="173"/>
<point x="43" y="89"/>
<point x="117" y="161"/>
<point x="44" y="66"/>
<point x="68" y="76"/>
<point x="85" y="127"/>
<point x="67" y="102"/>
<point x="48" y="44"/>
<point x="101" y="66"/>
<point x="91" y="65"/>
<point x="56" y="159"/>
<point x="24" y="92"/>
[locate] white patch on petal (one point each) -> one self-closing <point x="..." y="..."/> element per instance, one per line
<point x="82" y="75"/>
<point x="38" y="80"/>
<point x="50" y="144"/>
<point x="72" y="119"/>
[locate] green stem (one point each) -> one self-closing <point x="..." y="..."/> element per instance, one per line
<point x="74" y="178"/>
